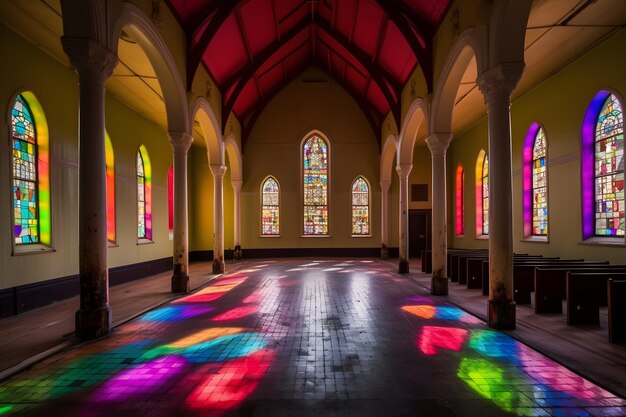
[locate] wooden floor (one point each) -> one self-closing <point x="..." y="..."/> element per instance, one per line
<point x="584" y="349"/>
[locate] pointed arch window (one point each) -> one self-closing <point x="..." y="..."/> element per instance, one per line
<point x="170" y="201"/>
<point x="535" y="183"/>
<point x="110" y="174"/>
<point x="270" y="202"/>
<point x="360" y="207"/>
<point x="144" y="194"/>
<point x="459" y="213"/>
<point x="482" y="194"/>
<point x="315" y="178"/>
<point x="29" y="163"/>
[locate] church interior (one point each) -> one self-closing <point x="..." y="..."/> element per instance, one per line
<point x="290" y="207"/>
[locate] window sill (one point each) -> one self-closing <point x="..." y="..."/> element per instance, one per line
<point x="269" y="236"/>
<point x="358" y="236"/>
<point x="604" y="241"/>
<point x="33" y="249"/>
<point x="309" y="236"/>
<point x="460" y="236"/>
<point x="536" y="239"/>
<point x="144" y="241"/>
<point x="112" y="244"/>
<point x="482" y="237"/>
<point x="171" y="235"/>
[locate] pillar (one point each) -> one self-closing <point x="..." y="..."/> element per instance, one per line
<point x="438" y="145"/>
<point x="403" y="172"/>
<point x="236" y="184"/>
<point x="218" y="172"/>
<point x="384" y="218"/>
<point x="180" y="142"/>
<point x="497" y="84"/>
<point x="94" y="65"/>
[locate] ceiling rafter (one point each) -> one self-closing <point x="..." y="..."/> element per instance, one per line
<point x="202" y="16"/>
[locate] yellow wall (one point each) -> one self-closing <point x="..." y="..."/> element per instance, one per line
<point x="559" y="104"/>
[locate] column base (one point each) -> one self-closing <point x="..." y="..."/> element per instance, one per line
<point x="180" y="283"/>
<point x="218" y="267"/>
<point x="92" y="324"/>
<point x="384" y="252"/>
<point x="403" y="267"/>
<point x="501" y="315"/>
<point x="237" y="253"/>
<point x="439" y="285"/>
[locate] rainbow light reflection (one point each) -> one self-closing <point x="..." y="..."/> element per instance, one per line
<point x="175" y="313"/>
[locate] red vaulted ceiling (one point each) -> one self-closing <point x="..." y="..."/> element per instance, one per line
<point x="253" y="48"/>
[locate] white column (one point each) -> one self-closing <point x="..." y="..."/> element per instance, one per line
<point x="384" y="218"/>
<point x="94" y="64"/>
<point x="180" y="142"/>
<point x="218" y="213"/>
<point x="438" y="145"/>
<point x="497" y="84"/>
<point x="403" y="172"/>
<point x="236" y="184"/>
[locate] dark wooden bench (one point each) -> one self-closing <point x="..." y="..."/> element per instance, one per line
<point x="550" y="284"/>
<point x="586" y="292"/>
<point x="427" y="261"/>
<point x="617" y="311"/>
<point x="473" y="268"/>
<point x="453" y="262"/>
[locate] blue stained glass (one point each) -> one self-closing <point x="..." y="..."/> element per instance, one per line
<point x="540" y="185"/>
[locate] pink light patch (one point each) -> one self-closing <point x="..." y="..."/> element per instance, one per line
<point x="236" y="279"/>
<point x="432" y="338"/>
<point x="236" y="313"/>
<point x="423" y="311"/>
<point x="232" y="383"/>
<point x="200" y="298"/>
<point x="252" y="299"/>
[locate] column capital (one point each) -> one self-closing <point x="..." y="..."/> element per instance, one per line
<point x="500" y="79"/>
<point x="89" y="55"/>
<point x="404" y="170"/>
<point x="236" y="184"/>
<point x="438" y="143"/>
<point x="180" y="141"/>
<point x="218" y="171"/>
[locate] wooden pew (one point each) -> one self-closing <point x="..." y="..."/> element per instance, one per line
<point x="427" y="261"/>
<point x="473" y="268"/>
<point x="586" y="292"/>
<point x="453" y="265"/>
<point x="550" y="284"/>
<point x="617" y="311"/>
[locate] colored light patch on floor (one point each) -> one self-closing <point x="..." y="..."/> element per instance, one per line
<point x="494" y="344"/>
<point x="232" y="280"/>
<point x="204" y="336"/>
<point x="422" y="311"/>
<point x="175" y="313"/>
<point x="252" y="299"/>
<point x="434" y="338"/>
<point x="5" y="409"/>
<point x="236" y="313"/>
<point x="200" y="298"/>
<point x="426" y="311"/>
<point x="231" y="384"/>
<point x="145" y="378"/>
<point x="226" y="347"/>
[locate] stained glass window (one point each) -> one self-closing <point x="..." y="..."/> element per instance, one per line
<point x="315" y="186"/>
<point x="360" y="207"/>
<point x="144" y="195"/>
<point x="110" y="168"/>
<point x="25" y="174"/>
<point x="485" y="195"/>
<point x="460" y="179"/>
<point x="170" y="199"/>
<point x="609" y="170"/>
<point x="540" y="185"/>
<point x="270" y="201"/>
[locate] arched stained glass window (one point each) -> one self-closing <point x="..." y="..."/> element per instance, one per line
<point x="360" y="207"/>
<point x="609" y="169"/>
<point x="110" y="168"/>
<point x="25" y="175"/>
<point x="144" y="194"/>
<point x="460" y="178"/>
<point x="315" y="176"/>
<point x="485" y="196"/>
<point x="270" y="202"/>
<point x="170" y="200"/>
<point x="540" y="185"/>
<point x="482" y="194"/>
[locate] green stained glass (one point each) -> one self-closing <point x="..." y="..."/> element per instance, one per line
<point x="141" y="198"/>
<point x="609" y="170"/>
<point x="315" y="186"/>
<point x="360" y="207"/>
<point x="485" y="187"/>
<point x="540" y="185"/>
<point x="270" y="202"/>
<point x="25" y="175"/>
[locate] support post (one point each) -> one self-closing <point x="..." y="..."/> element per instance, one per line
<point x="218" y="172"/>
<point x="384" y="218"/>
<point x="403" y="172"/>
<point x="236" y="184"/>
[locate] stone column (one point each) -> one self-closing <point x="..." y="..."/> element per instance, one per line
<point x="384" y="218"/>
<point x="237" y="217"/>
<point x="403" y="172"/>
<point x="497" y="84"/>
<point x="180" y="142"/>
<point x="94" y="65"/>
<point x="218" y="213"/>
<point x="438" y="145"/>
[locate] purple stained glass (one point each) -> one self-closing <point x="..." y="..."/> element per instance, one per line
<point x="540" y="185"/>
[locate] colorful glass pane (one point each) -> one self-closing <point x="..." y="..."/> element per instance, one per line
<point x="540" y="185"/>
<point x="25" y="175"/>
<point x="110" y="168"/>
<point x="270" y="202"/>
<point x="609" y="170"/>
<point x="360" y="207"/>
<point x="141" y="198"/>
<point x="460" y="180"/>
<point x="485" y="184"/>
<point x="315" y="186"/>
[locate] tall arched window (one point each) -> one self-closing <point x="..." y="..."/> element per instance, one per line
<point x="270" y="207"/>
<point x="360" y="207"/>
<point x="144" y="194"/>
<point x="459" y="213"/>
<point x="535" y="183"/>
<point x="482" y="194"/>
<point x="170" y="201"/>
<point x="315" y="177"/>
<point x="110" y="168"/>
<point x="31" y="191"/>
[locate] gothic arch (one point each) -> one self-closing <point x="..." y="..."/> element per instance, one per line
<point x="202" y="112"/>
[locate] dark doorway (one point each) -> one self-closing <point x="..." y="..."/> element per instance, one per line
<point x="419" y="232"/>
